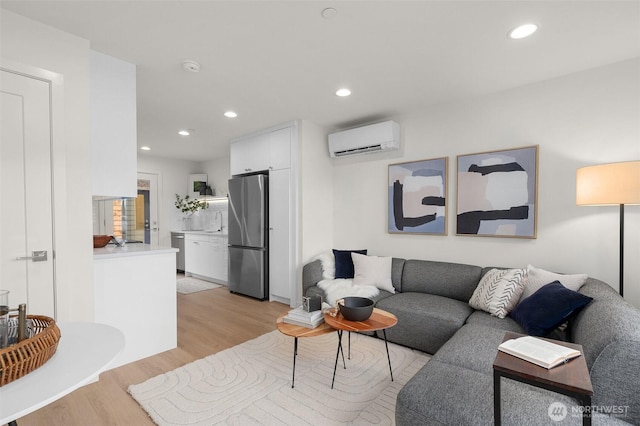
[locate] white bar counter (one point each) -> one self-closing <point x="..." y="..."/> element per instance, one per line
<point x="130" y="249"/>
<point x="135" y="291"/>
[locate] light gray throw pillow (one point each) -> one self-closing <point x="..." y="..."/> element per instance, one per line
<point x="537" y="278"/>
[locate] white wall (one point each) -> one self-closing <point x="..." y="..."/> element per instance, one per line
<point x="218" y="174"/>
<point x="316" y="206"/>
<point x="582" y="119"/>
<point x="31" y="43"/>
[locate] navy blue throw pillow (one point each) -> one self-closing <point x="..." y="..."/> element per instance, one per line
<point x="547" y="308"/>
<point x="344" y="263"/>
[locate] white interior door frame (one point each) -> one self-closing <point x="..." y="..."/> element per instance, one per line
<point x="154" y="202"/>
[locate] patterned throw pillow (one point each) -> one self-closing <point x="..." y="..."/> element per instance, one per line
<point x="499" y="291"/>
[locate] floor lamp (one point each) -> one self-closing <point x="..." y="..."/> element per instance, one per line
<point x="610" y="184"/>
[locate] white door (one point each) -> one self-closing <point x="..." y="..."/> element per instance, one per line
<point x="148" y="188"/>
<point x="26" y="218"/>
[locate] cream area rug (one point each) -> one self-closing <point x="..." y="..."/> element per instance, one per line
<point x="250" y="384"/>
<point x="193" y="285"/>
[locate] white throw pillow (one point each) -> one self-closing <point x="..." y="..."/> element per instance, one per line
<point x="499" y="291"/>
<point x="537" y="278"/>
<point x="372" y="270"/>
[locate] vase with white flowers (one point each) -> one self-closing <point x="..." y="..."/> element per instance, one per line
<point x="188" y="206"/>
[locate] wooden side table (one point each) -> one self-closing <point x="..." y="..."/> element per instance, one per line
<point x="571" y="378"/>
<point x="297" y="331"/>
<point x="379" y="320"/>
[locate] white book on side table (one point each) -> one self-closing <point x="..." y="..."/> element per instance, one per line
<point x="302" y="315"/>
<point x="307" y="324"/>
<point x="538" y="351"/>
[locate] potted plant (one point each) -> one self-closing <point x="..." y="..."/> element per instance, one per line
<point x="188" y="207"/>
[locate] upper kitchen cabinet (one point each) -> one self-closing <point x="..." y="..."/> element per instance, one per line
<point x="113" y="126"/>
<point x="280" y="149"/>
<point x="250" y="154"/>
<point x="270" y="150"/>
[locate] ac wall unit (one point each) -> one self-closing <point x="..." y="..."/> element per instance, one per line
<point x="383" y="136"/>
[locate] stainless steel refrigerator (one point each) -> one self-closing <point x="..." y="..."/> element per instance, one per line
<point x="248" y="236"/>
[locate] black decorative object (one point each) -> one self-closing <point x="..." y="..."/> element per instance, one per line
<point x="356" y="308"/>
<point x="312" y="304"/>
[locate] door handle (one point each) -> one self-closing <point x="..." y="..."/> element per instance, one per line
<point x="36" y="256"/>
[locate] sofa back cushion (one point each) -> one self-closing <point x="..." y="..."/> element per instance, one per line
<point x="397" y="266"/>
<point x="453" y="280"/>
<point x="311" y="274"/>
<point x="607" y="329"/>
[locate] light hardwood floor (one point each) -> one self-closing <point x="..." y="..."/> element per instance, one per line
<point x="208" y="322"/>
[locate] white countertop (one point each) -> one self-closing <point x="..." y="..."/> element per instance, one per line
<point x="132" y="249"/>
<point x="211" y="233"/>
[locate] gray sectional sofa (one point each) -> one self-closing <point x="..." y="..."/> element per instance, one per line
<point x="456" y="386"/>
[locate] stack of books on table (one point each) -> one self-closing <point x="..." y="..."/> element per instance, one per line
<point x="303" y="318"/>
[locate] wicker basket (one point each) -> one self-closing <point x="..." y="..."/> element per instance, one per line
<point x="22" y="358"/>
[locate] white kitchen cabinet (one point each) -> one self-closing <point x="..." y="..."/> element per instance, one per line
<point x="198" y="253"/>
<point x="280" y="149"/>
<point x="280" y="260"/>
<point x="267" y="151"/>
<point x="220" y="248"/>
<point x="250" y="154"/>
<point x="113" y="127"/>
<point x="206" y="256"/>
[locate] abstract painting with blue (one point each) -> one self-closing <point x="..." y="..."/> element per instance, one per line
<point x="418" y="197"/>
<point x="497" y="193"/>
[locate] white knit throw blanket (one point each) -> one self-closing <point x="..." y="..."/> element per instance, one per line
<point x="339" y="288"/>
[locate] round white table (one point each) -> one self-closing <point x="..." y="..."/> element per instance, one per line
<point x="84" y="351"/>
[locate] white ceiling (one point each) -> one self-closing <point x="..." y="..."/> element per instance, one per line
<point x="277" y="61"/>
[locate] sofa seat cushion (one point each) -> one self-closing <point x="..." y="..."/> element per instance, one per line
<point x="425" y="321"/>
<point x="473" y="347"/>
<point x="445" y="394"/>
<point x="488" y="320"/>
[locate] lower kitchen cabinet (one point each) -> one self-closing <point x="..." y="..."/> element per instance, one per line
<point x="205" y="256"/>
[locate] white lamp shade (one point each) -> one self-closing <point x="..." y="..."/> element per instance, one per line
<point x="615" y="183"/>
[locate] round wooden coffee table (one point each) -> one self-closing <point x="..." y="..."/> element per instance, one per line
<point x="297" y="331"/>
<point x="379" y="320"/>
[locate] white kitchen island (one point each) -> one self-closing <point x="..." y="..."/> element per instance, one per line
<point x="135" y="291"/>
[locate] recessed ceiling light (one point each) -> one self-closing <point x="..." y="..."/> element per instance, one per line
<point x="230" y="114"/>
<point x="343" y="92"/>
<point x="186" y="132"/>
<point x="145" y="148"/>
<point x="191" y="66"/>
<point x="523" y="31"/>
<point x="329" y="13"/>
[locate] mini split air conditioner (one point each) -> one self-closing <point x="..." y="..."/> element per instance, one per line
<point x="373" y="138"/>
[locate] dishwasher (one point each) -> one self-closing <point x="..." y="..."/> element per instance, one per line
<point x="177" y="241"/>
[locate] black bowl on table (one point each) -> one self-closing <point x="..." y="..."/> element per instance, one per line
<point x="356" y="308"/>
